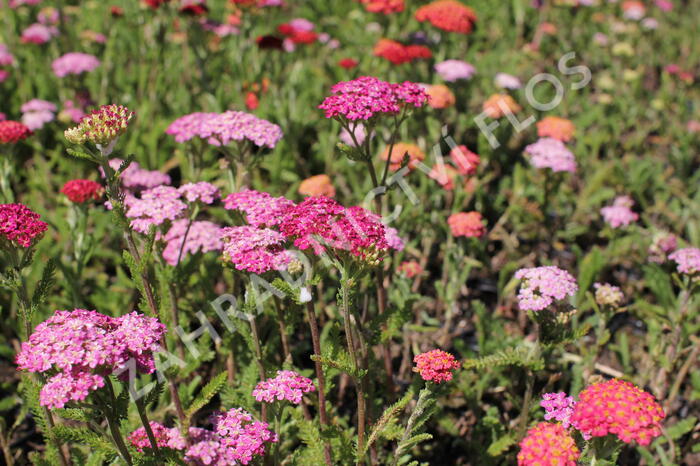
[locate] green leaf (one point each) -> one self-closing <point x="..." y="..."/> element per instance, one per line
<point x="207" y="393"/>
<point x="500" y="445"/>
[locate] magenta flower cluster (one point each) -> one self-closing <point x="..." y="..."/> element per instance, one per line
<point x="86" y="346"/>
<point x="287" y="385"/>
<point x="20" y="226"/>
<point x="74" y="63"/>
<point x="620" y="213"/>
<point x="222" y="128"/>
<point x="558" y="406"/>
<point x="541" y="286"/>
<point x="551" y="153"/>
<point x="254" y="249"/>
<point x="687" y="260"/>
<point x="367" y="97"/>
<point x="261" y="209"/>
<point x="165" y="437"/>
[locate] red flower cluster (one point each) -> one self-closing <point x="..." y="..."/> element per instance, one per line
<point x="155" y="4"/>
<point x="347" y="63"/>
<point x="398" y="53"/>
<point x="448" y="15"/>
<point x="435" y="366"/>
<point x="620" y="408"/>
<point x="548" y="444"/>
<point x="20" y="225"/>
<point x="80" y="191"/>
<point x="298" y="36"/>
<point x="383" y="6"/>
<point x="194" y="7"/>
<point x="12" y="132"/>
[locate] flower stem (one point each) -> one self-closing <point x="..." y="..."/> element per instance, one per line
<point x="146" y="425"/>
<point x="111" y="415"/>
<point x="258" y="360"/>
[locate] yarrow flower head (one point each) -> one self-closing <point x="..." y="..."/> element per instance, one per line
<point x="558" y="406"/>
<point x="11" y="132"/>
<point x="135" y="179"/>
<point x="20" y="226"/>
<point x="608" y="295"/>
<point x="261" y="209"/>
<point x="383" y="6"/>
<point x="203" y="192"/>
<point x="466" y="161"/>
<point x="256" y="250"/>
<point x="687" y="260"/>
<point x="619" y="408"/>
<point x="410" y="268"/>
<point x="74" y="63"/>
<point x="36" y="113"/>
<point x="498" y="105"/>
<point x="435" y="366"/>
<point x="548" y="444"/>
<point x="287" y="385"/>
<point x="240" y="126"/>
<point x="155" y="207"/>
<point x="620" y="213"/>
<point x="165" y="437"/>
<point x="507" y="81"/>
<point x="398" y="53"/>
<point x="467" y="224"/>
<point x="448" y="15"/>
<point x="662" y="244"/>
<point x="454" y="70"/>
<point x="81" y="191"/>
<point x="86" y="346"/>
<point x="366" y="97"/>
<point x="184" y="238"/>
<point x="102" y="126"/>
<point x="318" y="185"/>
<point x="190" y="126"/>
<point x="551" y="153"/>
<point x="399" y="151"/>
<point x="557" y="128"/>
<point x="541" y="286"/>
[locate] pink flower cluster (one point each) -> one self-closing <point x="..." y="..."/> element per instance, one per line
<point x="203" y="236"/>
<point x="38" y="33"/>
<point x="367" y="97"/>
<point x="558" y="406"/>
<point x="687" y="260"/>
<point x="20" y="226"/>
<point x="165" y="437"/>
<point x="551" y="153"/>
<point x="36" y="113"/>
<point x="222" y="128"/>
<point x="74" y="63"/>
<point x="620" y="213"/>
<point x="261" y="209"/>
<point x="155" y="207"/>
<point x="84" y="347"/>
<point x="435" y="366"/>
<point x="287" y="385"/>
<point x="542" y="285"/>
<point x="453" y="70"/>
<point x="135" y="178"/>
<point x="255" y="250"/>
<point x="619" y="408"/>
<point x="548" y="444"/>
<point x="203" y="192"/>
<point x="6" y="58"/>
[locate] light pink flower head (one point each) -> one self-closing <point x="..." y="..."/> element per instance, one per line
<point x="201" y="236"/>
<point x="551" y="153"/>
<point x="541" y="286"/>
<point x="155" y="207"/>
<point x="37" y="112"/>
<point x="287" y="385"/>
<point x="620" y="213"/>
<point x="201" y="191"/>
<point x="74" y="63"/>
<point x="6" y="58"/>
<point x="454" y="70"/>
<point x="507" y="81"/>
<point x="558" y="406"/>
<point x="38" y="33"/>
<point x="687" y="260"/>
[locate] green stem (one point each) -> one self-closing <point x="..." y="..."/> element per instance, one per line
<point x="258" y="360"/>
<point x="522" y="423"/>
<point x="147" y="425"/>
<point x="111" y="416"/>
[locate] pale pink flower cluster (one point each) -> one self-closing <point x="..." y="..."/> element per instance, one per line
<point x="551" y="153"/>
<point x="620" y="213"/>
<point x="367" y="97"/>
<point x="74" y="63"/>
<point x="155" y="207"/>
<point x="608" y="295"/>
<point x="687" y="260"/>
<point x="203" y="236"/>
<point x="36" y="113"/>
<point x="261" y="209"/>
<point x="203" y="192"/>
<point x="287" y="385"/>
<point x="507" y="81"/>
<point x="135" y="178"/>
<point x="84" y="347"/>
<point x="254" y="249"/>
<point x="222" y="128"/>
<point x="453" y="70"/>
<point x="541" y="286"/>
<point x="6" y="58"/>
<point x="558" y="406"/>
<point x="661" y="245"/>
<point x="38" y="33"/>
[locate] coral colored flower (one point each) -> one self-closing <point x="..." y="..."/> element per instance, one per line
<point x="558" y="406"/>
<point x="551" y="153"/>
<point x="319" y="185"/>
<point x="619" y="214"/>
<point x="12" y="132"/>
<point x="20" y="226"/>
<point x="80" y="191"/>
<point x="454" y="70"/>
<point x="254" y="249"/>
<point x="556" y="128"/>
<point x="102" y="126"/>
<point x="608" y="295"/>
<point x="399" y="152"/>
<point x="251" y="101"/>
<point x="548" y="444"/>
<point x="435" y="366"/>
<point x="86" y="346"/>
<point x="347" y="63"/>
<point x="687" y="260"/>
<point x="261" y="209"/>
<point x="498" y="105"/>
<point x="466" y="161"/>
<point x="184" y="238"/>
<point x="619" y="408"/>
<point x="467" y="224"/>
<point x="633" y="10"/>
<point x="287" y="385"/>
<point x="398" y="53"/>
<point x="440" y="96"/>
<point x="203" y="192"/>
<point x="383" y="6"/>
<point x="541" y="286"/>
<point x="74" y="63"/>
<point x="445" y="175"/>
<point x="448" y="15"/>
<point x="155" y="207"/>
<point x="410" y="268"/>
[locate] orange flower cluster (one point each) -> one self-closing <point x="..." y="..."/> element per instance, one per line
<point x="556" y="128"/>
<point x="415" y="155"/>
<point x="468" y="224"/>
<point x="448" y="15"/>
<point x="548" y="444"/>
<point x="398" y="53"/>
<point x="498" y="105"/>
<point x="440" y="96"/>
<point x="319" y="185"/>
